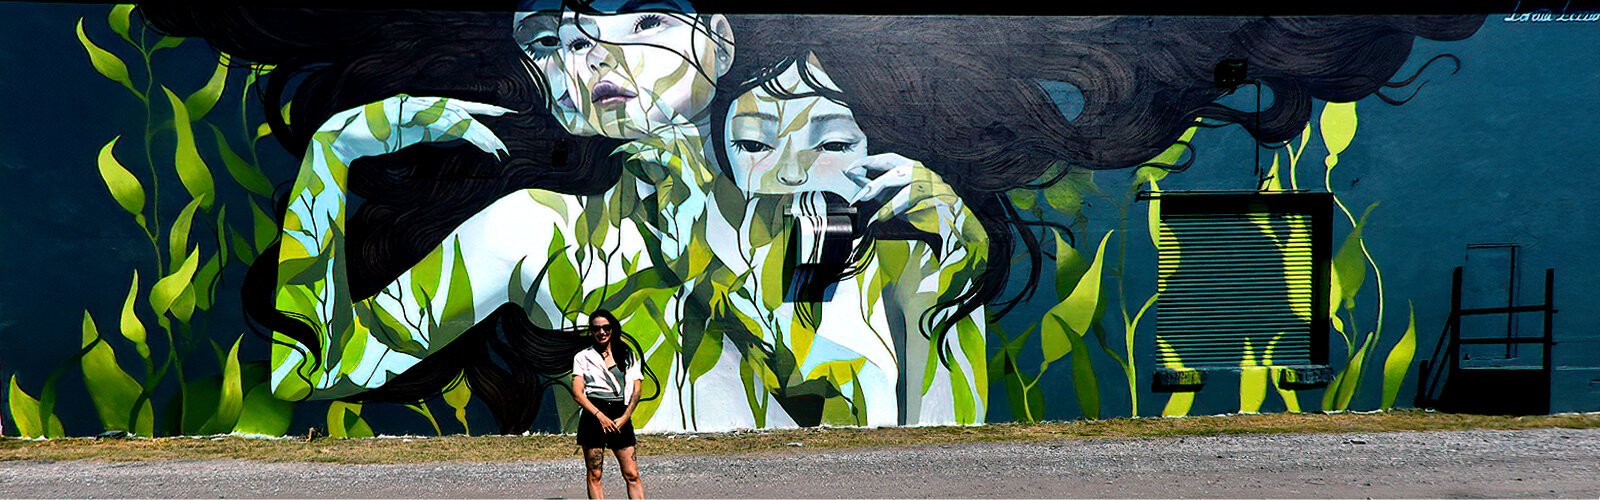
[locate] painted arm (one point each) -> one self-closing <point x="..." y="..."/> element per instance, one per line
<point x="935" y="277"/>
<point x="364" y="343"/>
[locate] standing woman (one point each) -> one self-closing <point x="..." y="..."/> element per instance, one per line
<point x="605" y="382"/>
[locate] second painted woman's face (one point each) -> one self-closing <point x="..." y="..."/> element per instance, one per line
<point x="784" y="145"/>
<point x="625" y="76"/>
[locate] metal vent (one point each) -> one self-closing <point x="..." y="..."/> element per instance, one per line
<point x="1240" y="279"/>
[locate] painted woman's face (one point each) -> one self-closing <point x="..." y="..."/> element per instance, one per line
<point x="625" y="76"/>
<point x="778" y="145"/>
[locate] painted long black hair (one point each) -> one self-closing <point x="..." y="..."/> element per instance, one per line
<point x="966" y="95"/>
<point x="404" y="204"/>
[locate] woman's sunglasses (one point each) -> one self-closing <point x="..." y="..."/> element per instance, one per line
<point x="602" y="328"/>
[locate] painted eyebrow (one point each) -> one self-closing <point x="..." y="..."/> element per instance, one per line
<point x="653" y="5"/>
<point x="831" y="117"/>
<point x="757" y="114"/>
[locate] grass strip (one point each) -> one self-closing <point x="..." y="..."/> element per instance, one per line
<point x="412" y="449"/>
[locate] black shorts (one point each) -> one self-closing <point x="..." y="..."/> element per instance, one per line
<point x="591" y="435"/>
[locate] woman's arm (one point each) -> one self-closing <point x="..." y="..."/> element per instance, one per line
<point x="588" y="406"/>
<point x="635" y="378"/>
<point x="364" y="343"/>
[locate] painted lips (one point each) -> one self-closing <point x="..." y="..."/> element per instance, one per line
<point x="608" y="94"/>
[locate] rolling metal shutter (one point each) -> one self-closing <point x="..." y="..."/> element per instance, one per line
<point x="1241" y="281"/>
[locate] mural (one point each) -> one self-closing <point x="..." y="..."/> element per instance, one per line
<point x="799" y="220"/>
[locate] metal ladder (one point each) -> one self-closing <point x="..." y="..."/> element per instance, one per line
<point x="1445" y="385"/>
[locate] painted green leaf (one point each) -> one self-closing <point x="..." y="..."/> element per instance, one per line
<point x="241" y="247"/>
<point x="201" y="101"/>
<point x="263" y="130"/>
<point x="1076" y="313"/>
<point x="705" y="355"/>
<point x="1252" y="388"/>
<point x="1153" y="216"/>
<point x="205" y="280"/>
<point x="429" y="114"/>
<point x="1024" y="199"/>
<point x="230" y="397"/>
<point x="178" y="239"/>
<point x="1350" y="263"/>
<point x="1070" y="267"/>
<point x="247" y="175"/>
<point x="1084" y="381"/>
<point x="166" y="290"/>
<point x="1175" y="152"/>
<point x="25" y="413"/>
<point x="457" y="396"/>
<point x="111" y="389"/>
<point x="344" y="421"/>
<point x="132" y="328"/>
<point x="167" y="42"/>
<point x="563" y="276"/>
<point x="264" y="414"/>
<point x="264" y="228"/>
<point x="458" y="300"/>
<point x="377" y="120"/>
<point x="106" y="63"/>
<point x="1338" y="124"/>
<point x="192" y="170"/>
<point x="1178" y="404"/>
<point x="1343" y="388"/>
<point x="422" y="409"/>
<point x="118" y="20"/>
<point x="125" y="188"/>
<point x="1398" y="363"/>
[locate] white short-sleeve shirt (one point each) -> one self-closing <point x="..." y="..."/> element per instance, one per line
<point x="597" y="379"/>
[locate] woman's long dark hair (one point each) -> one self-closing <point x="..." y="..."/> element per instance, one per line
<point x="965" y="96"/>
<point x="404" y="204"/>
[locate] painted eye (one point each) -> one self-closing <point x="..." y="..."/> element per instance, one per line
<point x="545" y="42"/>
<point x="647" y="23"/>
<point x="836" y="146"/>
<point x="579" y="44"/>
<point x="749" y="146"/>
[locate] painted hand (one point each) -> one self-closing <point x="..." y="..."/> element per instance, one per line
<point x="881" y="175"/>
<point x="395" y="123"/>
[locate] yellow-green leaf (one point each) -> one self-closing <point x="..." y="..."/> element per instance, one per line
<point x="201" y="101"/>
<point x="168" y="289"/>
<point x="247" y="175"/>
<point x="108" y="64"/>
<point x="230" y="400"/>
<point x="178" y="239"/>
<point x="1178" y="404"/>
<point x="132" y="328"/>
<point x="192" y="170"/>
<point x="263" y="414"/>
<point x="118" y="20"/>
<point x="167" y="42"/>
<point x="1398" y="363"/>
<point x="1084" y="381"/>
<point x="25" y="413"/>
<point x="457" y="396"/>
<point x="1338" y="125"/>
<point x="111" y="389"/>
<point x="125" y="188"/>
<point x="1070" y="267"/>
<point x="1076" y="313"/>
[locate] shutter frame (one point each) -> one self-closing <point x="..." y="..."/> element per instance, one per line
<point x="1213" y="290"/>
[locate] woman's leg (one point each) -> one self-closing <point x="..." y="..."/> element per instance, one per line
<point x="593" y="459"/>
<point x="630" y="472"/>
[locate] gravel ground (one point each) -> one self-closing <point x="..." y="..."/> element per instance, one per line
<point x="1527" y="463"/>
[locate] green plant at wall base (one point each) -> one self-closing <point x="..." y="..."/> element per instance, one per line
<point x="189" y="255"/>
<point x="1337" y="126"/>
